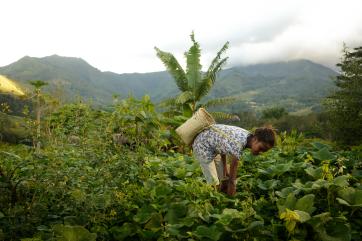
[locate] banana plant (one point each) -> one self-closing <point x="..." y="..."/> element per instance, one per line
<point x="193" y="83"/>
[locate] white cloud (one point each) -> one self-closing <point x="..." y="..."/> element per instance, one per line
<point x="120" y="35"/>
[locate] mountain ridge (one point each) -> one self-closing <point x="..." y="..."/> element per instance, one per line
<point x="275" y="80"/>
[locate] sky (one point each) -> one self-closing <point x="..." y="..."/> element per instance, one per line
<point x="120" y="35"/>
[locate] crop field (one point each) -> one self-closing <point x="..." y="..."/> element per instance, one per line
<point x="81" y="185"/>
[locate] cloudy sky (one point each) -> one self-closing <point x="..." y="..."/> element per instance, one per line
<point x="120" y="35"/>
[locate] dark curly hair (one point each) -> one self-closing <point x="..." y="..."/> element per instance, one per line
<point x="266" y="134"/>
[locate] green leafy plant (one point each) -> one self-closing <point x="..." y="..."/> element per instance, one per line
<point x="192" y="82"/>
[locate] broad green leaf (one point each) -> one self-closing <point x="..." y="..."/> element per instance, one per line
<point x="319" y="145"/>
<point x="356" y="173"/>
<point x="200" y="211"/>
<point x="320" y="183"/>
<point x="305" y="203"/>
<point x="147" y="235"/>
<point x="155" y="222"/>
<point x="290" y="225"/>
<point x="228" y="215"/>
<point x="341" y="181"/>
<point x="120" y="233"/>
<point x="288" y="203"/>
<point x="269" y="184"/>
<point x="255" y="224"/>
<point x="188" y="221"/>
<point x="316" y="173"/>
<point x="174" y="229"/>
<point x="208" y="232"/>
<point x="326" y="216"/>
<point x="285" y="192"/>
<point x="143" y="214"/>
<point x="180" y="173"/>
<point x="73" y="233"/>
<point x="358" y="198"/>
<point x="343" y="202"/>
<point x="279" y="169"/>
<point x="334" y="230"/>
<point x="175" y="212"/>
<point x="346" y="194"/>
<point x="350" y="196"/>
<point x="163" y="190"/>
<point x="323" y="154"/>
<point x="303" y="216"/>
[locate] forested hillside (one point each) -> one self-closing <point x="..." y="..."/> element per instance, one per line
<point x="284" y="84"/>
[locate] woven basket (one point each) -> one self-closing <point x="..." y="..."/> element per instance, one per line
<point x="193" y="126"/>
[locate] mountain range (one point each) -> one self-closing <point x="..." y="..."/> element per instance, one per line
<point x="296" y="85"/>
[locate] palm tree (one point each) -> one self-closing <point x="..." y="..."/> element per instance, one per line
<point x="193" y="83"/>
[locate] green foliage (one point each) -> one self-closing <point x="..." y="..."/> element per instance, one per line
<point x="14" y="129"/>
<point x="72" y="233"/>
<point x="274" y="113"/>
<point x="94" y="188"/>
<point x="344" y="105"/>
<point x="15" y="104"/>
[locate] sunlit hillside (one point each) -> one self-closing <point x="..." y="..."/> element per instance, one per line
<point x="8" y="86"/>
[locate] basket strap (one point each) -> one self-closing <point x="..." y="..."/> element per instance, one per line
<point x="238" y="143"/>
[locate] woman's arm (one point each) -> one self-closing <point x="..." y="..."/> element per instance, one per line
<point x="232" y="176"/>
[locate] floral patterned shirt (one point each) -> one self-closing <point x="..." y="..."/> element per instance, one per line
<point x="220" y="139"/>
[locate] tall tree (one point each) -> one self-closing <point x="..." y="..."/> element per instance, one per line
<point x="344" y="106"/>
<point x="38" y="84"/>
<point x="193" y="83"/>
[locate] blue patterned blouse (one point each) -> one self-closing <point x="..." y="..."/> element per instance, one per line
<point x="220" y="139"/>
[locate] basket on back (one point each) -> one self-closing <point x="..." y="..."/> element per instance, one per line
<point x="198" y="122"/>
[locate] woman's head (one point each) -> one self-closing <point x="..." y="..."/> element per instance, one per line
<point x="262" y="140"/>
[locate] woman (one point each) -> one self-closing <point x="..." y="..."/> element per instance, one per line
<point x="228" y="140"/>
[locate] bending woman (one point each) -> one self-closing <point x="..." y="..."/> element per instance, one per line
<point x="228" y="140"/>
